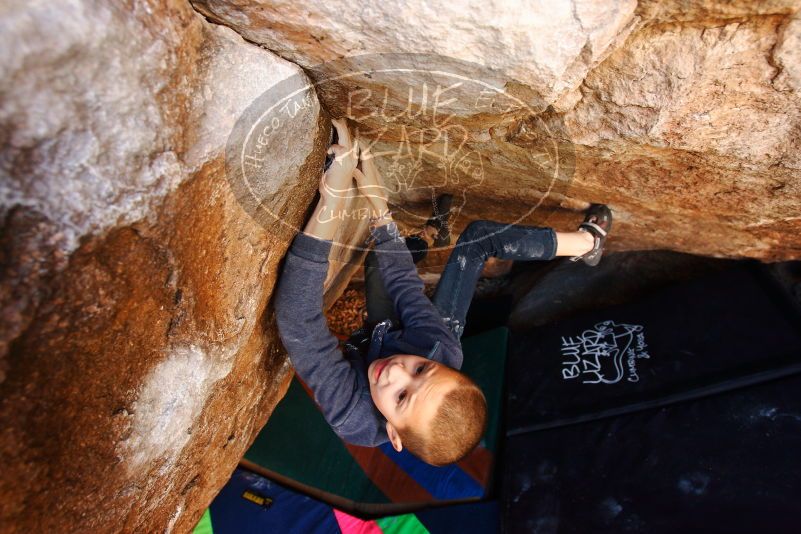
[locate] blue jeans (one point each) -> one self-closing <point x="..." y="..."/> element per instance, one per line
<point x="454" y="292"/>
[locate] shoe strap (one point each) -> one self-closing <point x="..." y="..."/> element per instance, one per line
<point x="595" y="227"/>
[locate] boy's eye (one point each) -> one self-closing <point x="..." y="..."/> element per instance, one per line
<point x="401" y="396"/>
<point x="420" y="368"/>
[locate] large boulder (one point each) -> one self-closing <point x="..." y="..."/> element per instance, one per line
<point x="693" y="132"/>
<point x="137" y="356"/>
<point x="684" y="116"/>
<point x="549" y="46"/>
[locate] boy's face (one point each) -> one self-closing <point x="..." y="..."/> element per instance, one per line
<point x="409" y="389"/>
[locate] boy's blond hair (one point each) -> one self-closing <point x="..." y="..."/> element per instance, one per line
<point x="455" y="430"/>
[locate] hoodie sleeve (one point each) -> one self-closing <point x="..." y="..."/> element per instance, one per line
<point x="422" y="323"/>
<point x="312" y="348"/>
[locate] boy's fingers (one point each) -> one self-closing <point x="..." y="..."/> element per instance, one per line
<point x="342" y="132"/>
<point x="343" y="153"/>
<point x="364" y="153"/>
<point x="338" y="150"/>
<point x="363" y="180"/>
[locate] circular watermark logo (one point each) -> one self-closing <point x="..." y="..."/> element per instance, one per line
<point x="434" y="125"/>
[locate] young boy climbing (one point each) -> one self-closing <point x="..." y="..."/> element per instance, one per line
<point x="402" y="383"/>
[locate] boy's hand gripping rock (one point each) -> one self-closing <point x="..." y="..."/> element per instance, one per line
<point x="368" y="180"/>
<point x="335" y="183"/>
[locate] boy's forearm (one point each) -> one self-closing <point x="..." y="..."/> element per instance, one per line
<point x="326" y="219"/>
<point x="421" y="320"/>
<point x="379" y="213"/>
<point x="303" y="329"/>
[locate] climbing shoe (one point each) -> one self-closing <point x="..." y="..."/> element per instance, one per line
<point x="597" y="222"/>
<point x="439" y="220"/>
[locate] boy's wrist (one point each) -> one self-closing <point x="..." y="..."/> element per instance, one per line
<point x="311" y="247"/>
<point x="378" y="207"/>
<point x="376" y="215"/>
<point x="382" y="233"/>
<point x="330" y="199"/>
<point x="379" y="218"/>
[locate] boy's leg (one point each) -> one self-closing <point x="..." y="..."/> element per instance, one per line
<point x="480" y="240"/>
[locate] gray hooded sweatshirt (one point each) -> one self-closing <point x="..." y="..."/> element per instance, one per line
<point x="338" y="377"/>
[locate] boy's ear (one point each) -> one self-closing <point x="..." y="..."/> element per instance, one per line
<point x="394" y="437"/>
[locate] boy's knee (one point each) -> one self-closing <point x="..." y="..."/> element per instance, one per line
<point x="473" y="231"/>
<point x="474" y="240"/>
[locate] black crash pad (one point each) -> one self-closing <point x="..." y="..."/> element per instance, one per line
<point x="678" y="413"/>
<point x="687" y="341"/>
<point x="725" y="463"/>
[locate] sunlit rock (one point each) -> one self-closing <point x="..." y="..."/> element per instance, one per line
<point x="137" y="355"/>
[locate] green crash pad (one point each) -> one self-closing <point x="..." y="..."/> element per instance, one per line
<point x="298" y="448"/>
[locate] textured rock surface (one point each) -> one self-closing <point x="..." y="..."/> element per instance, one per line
<point x="548" y="46"/>
<point x="685" y="116"/>
<point x="137" y="359"/>
<point x="696" y="129"/>
<point x="137" y="352"/>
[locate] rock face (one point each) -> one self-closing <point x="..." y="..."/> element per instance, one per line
<point x="548" y="46"/>
<point x="694" y="132"/>
<point x="685" y="116"/>
<point x="137" y="355"/>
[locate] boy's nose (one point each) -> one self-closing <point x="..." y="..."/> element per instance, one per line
<point x="397" y="373"/>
